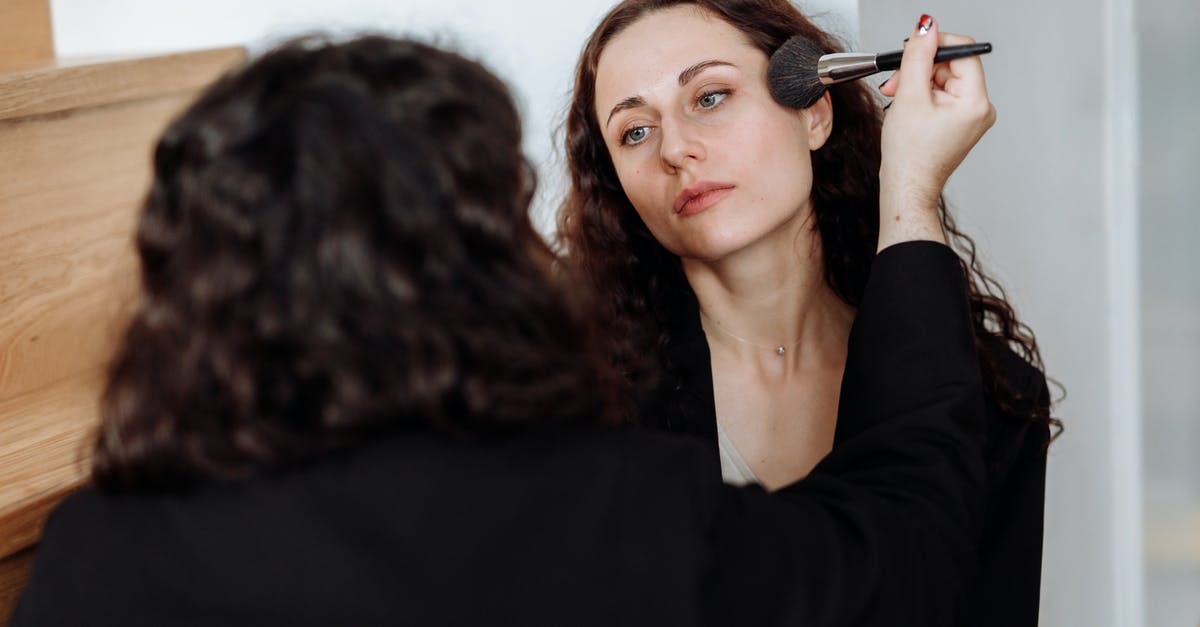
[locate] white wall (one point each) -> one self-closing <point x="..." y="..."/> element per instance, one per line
<point x="1048" y="195"/>
<point x="532" y="44"/>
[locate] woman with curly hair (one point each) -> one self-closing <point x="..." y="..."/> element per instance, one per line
<point x="731" y="239"/>
<point x="355" y="392"/>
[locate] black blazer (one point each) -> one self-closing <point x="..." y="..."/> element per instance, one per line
<point x="583" y="526"/>
<point x="1005" y="592"/>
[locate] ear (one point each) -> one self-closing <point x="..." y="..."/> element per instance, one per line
<point x="819" y="116"/>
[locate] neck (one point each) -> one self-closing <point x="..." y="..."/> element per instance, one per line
<point x="770" y="294"/>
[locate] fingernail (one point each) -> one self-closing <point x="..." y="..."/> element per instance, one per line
<point x="924" y="25"/>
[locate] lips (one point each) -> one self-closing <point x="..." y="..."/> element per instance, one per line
<point x="700" y="196"/>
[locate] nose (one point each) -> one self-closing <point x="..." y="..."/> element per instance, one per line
<point x="680" y="144"/>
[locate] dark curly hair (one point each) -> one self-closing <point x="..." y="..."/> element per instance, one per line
<point x="606" y="240"/>
<point x="336" y="244"/>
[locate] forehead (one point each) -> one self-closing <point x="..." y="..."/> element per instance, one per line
<point x="653" y="50"/>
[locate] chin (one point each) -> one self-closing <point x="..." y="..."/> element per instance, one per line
<point x="716" y="239"/>
<point x="716" y="244"/>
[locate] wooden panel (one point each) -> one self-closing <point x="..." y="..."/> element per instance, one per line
<point x="75" y="150"/>
<point x="44" y="453"/>
<point x="27" y="90"/>
<point x="25" y="30"/>
<point x="70" y="188"/>
<point x="14" y="571"/>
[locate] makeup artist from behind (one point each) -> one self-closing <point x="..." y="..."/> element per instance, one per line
<point x="732" y="238"/>
<point x="357" y="392"/>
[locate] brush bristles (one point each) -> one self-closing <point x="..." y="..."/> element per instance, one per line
<point x="792" y="73"/>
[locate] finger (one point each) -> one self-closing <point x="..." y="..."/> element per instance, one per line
<point x="888" y="87"/>
<point x="953" y="39"/>
<point x="942" y="75"/>
<point x="916" y="66"/>
<point x="965" y="78"/>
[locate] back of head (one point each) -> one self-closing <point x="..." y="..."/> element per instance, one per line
<point x="336" y="243"/>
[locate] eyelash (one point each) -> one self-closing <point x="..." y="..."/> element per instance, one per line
<point x="715" y="92"/>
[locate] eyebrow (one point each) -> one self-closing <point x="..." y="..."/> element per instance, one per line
<point x="631" y="102"/>
<point x="685" y="77"/>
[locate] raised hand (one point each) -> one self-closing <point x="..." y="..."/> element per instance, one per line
<point x="939" y="113"/>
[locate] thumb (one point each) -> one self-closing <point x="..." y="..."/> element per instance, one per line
<point x="916" y="66"/>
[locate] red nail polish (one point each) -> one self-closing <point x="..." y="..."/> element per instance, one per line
<point x="924" y="24"/>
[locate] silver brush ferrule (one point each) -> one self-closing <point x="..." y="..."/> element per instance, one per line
<point x="845" y="66"/>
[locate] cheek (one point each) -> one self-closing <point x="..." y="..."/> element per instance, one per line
<point x="778" y="154"/>
<point x="641" y="184"/>
<point x="641" y="187"/>
<point x="635" y="184"/>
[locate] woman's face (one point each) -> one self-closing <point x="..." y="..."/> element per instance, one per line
<point x="708" y="159"/>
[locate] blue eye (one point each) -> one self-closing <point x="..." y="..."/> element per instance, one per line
<point x="712" y="99"/>
<point x="635" y="135"/>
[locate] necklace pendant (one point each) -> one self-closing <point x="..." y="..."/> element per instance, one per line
<point x="780" y="351"/>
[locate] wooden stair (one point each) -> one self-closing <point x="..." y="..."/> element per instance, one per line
<point x="76" y="138"/>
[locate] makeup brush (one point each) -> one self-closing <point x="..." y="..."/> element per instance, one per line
<point x="799" y="72"/>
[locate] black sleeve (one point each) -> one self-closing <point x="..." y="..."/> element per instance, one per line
<point x="883" y="530"/>
<point x="1007" y="592"/>
<point x="67" y="560"/>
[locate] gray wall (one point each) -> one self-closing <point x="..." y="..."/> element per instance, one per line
<point x="1033" y="194"/>
<point x="1169" y="225"/>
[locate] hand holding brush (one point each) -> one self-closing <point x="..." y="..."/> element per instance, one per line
<point x="799" y="70"/>
<point x="940" y="111"/>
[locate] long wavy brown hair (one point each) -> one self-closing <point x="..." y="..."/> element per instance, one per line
<point x="640" y="281"/>
<point x="336" y="244"/>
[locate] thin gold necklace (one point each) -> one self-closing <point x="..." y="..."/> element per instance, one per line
<point x="778" y="349"/>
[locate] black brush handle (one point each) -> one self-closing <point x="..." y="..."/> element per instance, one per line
<point x="891" y="60"/>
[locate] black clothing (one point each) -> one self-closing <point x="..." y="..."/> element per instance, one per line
<point x="584" y="526"/>
<point x="1006" y="592"/>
